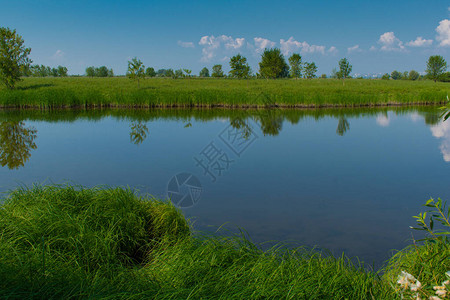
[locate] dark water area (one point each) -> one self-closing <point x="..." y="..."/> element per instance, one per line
<point x="343" y="179"/>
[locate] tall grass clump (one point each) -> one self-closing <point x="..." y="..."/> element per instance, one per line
<point x="54" y="235"/>
<point x="74" y="242"/>
<point x="46" y="93"/>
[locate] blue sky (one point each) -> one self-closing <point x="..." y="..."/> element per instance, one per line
<point x="376" y="36"/>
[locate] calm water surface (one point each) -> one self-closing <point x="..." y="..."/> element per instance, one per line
<point x="344" y="180"/>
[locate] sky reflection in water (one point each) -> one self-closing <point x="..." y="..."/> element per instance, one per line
<point x="345" y="180"/>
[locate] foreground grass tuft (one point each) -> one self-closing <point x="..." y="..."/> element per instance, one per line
<point x="73" y="242"/>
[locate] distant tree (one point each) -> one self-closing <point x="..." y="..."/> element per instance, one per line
<point x="54" y="72"/>
<point x="13" y="57"/>
<point x="344" y="69"/>
<point x="161" y="73"/>
<point x="413" y="75"/>
<point x="335" y="74"/>
<point x="101" y="72"/>
<point x="136" y="70"/>
<point x="204" y="72"/>
<point x="188" y="72"/>
<point x="323" y="76"/>
<point x="239" y="67"/>
<point x="436" y="66"/>
<point x="110" y="73"/>
<point x="217" y="71"/>
<point x="62" y="71"/>
<point x="150" y="72"/>
<point x="169" y="73"/>
<point x="178" y="73"/>
<point x="310" y="70"/>
<point x="396" y="75"/>
<point x="295" y="61"/>
<point x="90" y="71"/>
<point x="405" y="75"/>
<point x="273" y="65"/>
<point x="386" y="76"/>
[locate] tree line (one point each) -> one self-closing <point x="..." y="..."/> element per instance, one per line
<point x="15" y="63"/>
<point x="44" y="71"/>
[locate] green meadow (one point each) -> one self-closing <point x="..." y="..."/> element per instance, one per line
<point x="73" y="242"/>
<point x="49" y="93"/>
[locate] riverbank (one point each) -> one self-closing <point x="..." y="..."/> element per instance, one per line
<point x="64" y="242"/>
<point x="81" y="92"/>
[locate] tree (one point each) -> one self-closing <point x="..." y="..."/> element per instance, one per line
<point x="62" y="71"/>
<point x="54" y="72"/>
<point x="204" y="72"/>
<point x="188" y="72"/>
<point x="90" y="71"/>
<point x="101" y="72"/>
<point x="295" y="61"/>
<point x="273" y="64"/>
<point x="150" y="72"/>
<point x="13" y="57"/>
<point x="135" y="70"/>
<point x="110" y="73"/>
<point x="310" y="70"/>
<point x="323" y="76"/>
<point x="217" y="71"/>
<point x="436" y="66"/>
<point x="405" y="75"/>
<point x="239" y="67"/>
<point x="169" y="73"/>
<point x="344" y="69"/>
<point x="386" y="76"/>
<point x="396" y="75"/>
<point x="413" y="75"/>
<point x="178" y="74"/>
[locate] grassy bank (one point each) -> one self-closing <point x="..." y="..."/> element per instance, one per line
<point x="64" y="242"/>
<point x="203" y="92"/>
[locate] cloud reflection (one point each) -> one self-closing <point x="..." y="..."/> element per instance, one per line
<point x="383" y="120"/>
<point x="442" y="131"/>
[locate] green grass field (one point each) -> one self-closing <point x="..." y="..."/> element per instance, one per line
<point x="211" y="92"/>
<point x="71" y="242"/>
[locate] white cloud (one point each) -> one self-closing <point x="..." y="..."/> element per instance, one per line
<point x="262" y="43"/>
<point x="420" y="42"/>
<point x="389" y="42"/>
<point x="373" y="48"/>
<point x="292" y="45"/>
<point x="383" y="120"/>
<point x="186" y="44"/>
<point x="354" y="49"/>
<point x="58" y="55"/>
<point x="211" y="45"/>
<point x="333" y="50"/>
<point x="442" y="131"/>
<point x="443" y="31"/>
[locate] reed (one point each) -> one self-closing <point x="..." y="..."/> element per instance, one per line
<point x="231" y="93"/>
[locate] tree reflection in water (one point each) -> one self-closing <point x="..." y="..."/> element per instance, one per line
<point x="16" y="143"/>
<point x="343" y="126"/>
<point x="138" y="132"/>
